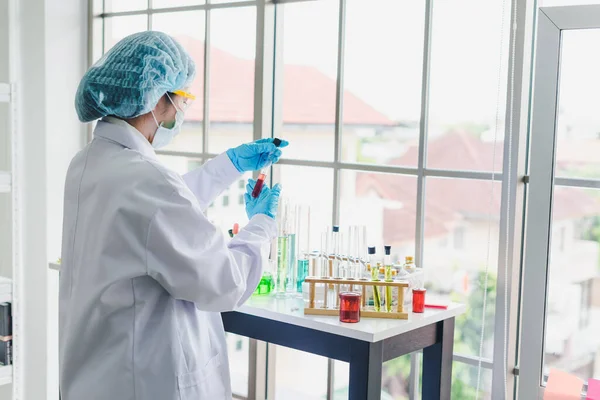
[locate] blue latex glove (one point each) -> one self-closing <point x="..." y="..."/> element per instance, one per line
<point x="256" y="155"/>
<point x="266" y="203"/>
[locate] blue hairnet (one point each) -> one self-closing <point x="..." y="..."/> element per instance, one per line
<point x="130" y="78"/>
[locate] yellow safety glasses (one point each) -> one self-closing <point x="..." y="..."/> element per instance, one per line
<point x="185" y="94"/>
<point x="188" y="98"/>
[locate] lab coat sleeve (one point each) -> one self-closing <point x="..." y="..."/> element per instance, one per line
<point x="193" y="261"/>
<point x="209" y="180"/>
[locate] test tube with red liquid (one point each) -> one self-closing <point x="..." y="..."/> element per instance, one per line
<point x="263" y="174"/>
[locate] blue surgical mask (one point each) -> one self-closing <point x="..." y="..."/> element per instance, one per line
<point x="164" y="135"/>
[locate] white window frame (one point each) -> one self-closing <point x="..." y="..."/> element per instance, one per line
<point x="551" y="23"/>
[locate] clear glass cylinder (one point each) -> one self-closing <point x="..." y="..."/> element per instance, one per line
<point x="324" y="254"/>
<point x="302" y="244"/>
<point x="282" y="250"/>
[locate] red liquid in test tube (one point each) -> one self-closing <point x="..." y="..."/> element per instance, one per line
<point x="263" y="175"/>
<point x="259" y="184"/>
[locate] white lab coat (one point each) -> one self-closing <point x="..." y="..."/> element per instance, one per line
<point x="144" y="274"/>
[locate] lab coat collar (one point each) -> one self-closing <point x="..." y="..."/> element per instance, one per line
<point x="119" y="131"/>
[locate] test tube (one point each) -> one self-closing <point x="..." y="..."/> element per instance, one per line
<point x="303" y="237"/>
<point x="292" y="251"/>
<point x="324" y="256"/>
<point x="374" y="277"/>
<point x="361" y="246"/>
<point x="334" y="251"/>
<point x="282" y="252"/>
<point x="260" y="181"/>
<point x="388" y="277"/>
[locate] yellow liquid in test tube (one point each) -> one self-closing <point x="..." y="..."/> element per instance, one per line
<point x="376" y="295"/>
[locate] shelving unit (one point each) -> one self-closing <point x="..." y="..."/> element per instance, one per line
<point x="10" y="193"/>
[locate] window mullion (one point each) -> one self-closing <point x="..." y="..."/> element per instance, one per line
<point x="339" y="111"/>
<point x="420" y="211"/>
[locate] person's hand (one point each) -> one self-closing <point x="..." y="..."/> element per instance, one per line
<point x="256" y="155"/>
<point x="266" y="203"/>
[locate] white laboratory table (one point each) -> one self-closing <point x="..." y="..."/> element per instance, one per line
<point x="365" y="345"/>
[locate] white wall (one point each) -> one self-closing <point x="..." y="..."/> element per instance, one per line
<point x="52" y="54"/>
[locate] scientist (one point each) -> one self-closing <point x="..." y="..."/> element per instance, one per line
<point x="144" y="274"/>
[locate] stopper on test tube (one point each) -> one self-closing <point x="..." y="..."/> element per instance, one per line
<point x="371" y="250"/>
<point x="276" y="142"/>
<point x="236" y="228"/>
<point x="388" y="250"/>
<point x="336" y="228"/>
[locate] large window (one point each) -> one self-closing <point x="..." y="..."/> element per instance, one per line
<point x="389" y="112"/>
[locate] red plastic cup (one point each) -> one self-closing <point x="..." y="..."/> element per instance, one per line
<point x="350" y="307"/>
<point x="419" y="300"/>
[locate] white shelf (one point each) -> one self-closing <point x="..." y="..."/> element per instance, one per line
<point x="54" y="266"/>
<point x="5" y="182"/>
<point x="4" y="92"/>
<point x="6" y="373"/>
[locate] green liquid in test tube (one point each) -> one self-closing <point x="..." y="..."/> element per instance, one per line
<point x="374" y="277"/>
<point x="388" y="278"/>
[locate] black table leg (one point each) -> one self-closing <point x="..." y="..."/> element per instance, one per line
<point x="366" y="360"/>
<point x="437" y="363"/>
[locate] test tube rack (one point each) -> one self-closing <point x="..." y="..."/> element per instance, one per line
<point x="362" y="284"/>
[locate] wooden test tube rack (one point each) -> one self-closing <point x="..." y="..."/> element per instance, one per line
<point x="365" y="312"/>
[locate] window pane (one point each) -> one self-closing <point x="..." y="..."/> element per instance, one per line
<point x="125" y="5"/>
<point x="382" y="109"/>
<point x="299" y="375"/>
<point x="461" y="236"/>
<point x="386" y="204"/>
<point x="188" y="29"/>
<point x="578" y="128"/>
<point x="312" y="187"/>
<point x="238" y="349"/>
<point x="467" y="89"/>
<point x="226" y="210"/>
<point x="117" y="28"/>
<point x="175" y="3"/>
<point x="394" y="380"/>
<point x="573" y="309"/>
<point x="231" y="91"/>
<point x="464" y="382"/>
<point x="309" y="78"/>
